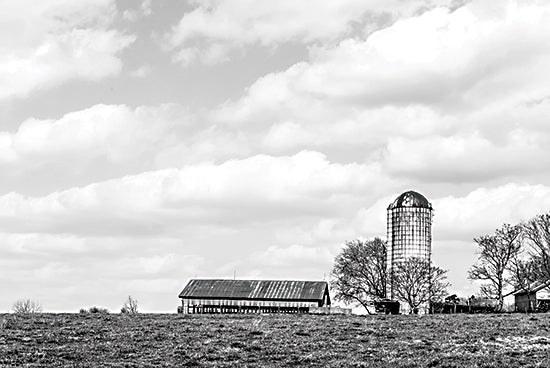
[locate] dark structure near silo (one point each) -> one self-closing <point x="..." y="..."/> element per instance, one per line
<point x="409" y="229"/>
<point x="253" y="296"/>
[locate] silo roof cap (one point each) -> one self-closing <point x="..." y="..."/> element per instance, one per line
<point x="410" y="199"/>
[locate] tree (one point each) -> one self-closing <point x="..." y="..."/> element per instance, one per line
<point x="130" y="306"/>
<point x="524" y="275"/>
<point x="495" y="255"/>
<point x="537" y="233"/>
<point x="26" y="306"/>
<point x="359" y="272"/>
<point x="417" y="282"/>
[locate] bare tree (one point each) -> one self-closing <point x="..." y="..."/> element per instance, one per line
<point x="417" y="282"/>
<point x="26" y="306"/>
<point x="495" y="255"/>
<point x="537" y="233"/>
<point x="524" y="276"/>
<point x="130" y="306"/>
<point x="359" y="272"/>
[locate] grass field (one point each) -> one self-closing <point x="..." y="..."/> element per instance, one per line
<point x="56" y="340"/>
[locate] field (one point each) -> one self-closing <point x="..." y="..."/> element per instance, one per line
<point x="59" y="340"/>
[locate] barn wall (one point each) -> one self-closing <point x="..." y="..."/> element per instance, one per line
<point x="243" y="306"/>
<point x="228" y="302"/>
<point x="522" y="302"/>
<point x="543" y="294"/>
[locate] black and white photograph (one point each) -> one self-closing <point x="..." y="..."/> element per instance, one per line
<point x="289" y="183"/>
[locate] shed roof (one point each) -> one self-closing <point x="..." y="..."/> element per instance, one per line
<point x="533" y="288"/>
<point x="255" y="289"/>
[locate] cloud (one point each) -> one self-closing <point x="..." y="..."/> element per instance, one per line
<point x="436" y="58"/>
<point x="219" y="27"/>
<point x="133" y="14"/>
<point x="57" y="41"/>
<point x="466" y="56"/>
<point x="484" y="210"/>
<point x="441" y="96"/>
<point x="472" y="157"/>
<point x="142" y="72"/>
<point x="91" y="143"/>
<point x="259" y="187"/>
<point x="296" y="259"/>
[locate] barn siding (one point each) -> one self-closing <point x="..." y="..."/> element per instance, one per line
<point x="523" y="304"/>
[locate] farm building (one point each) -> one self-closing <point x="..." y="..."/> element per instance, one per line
<point x="409" y="227"/>
<point x="253" y="296"/>
<point x="535" y="299"/>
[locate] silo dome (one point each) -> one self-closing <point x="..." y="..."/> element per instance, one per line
<point x="410" y="199"/>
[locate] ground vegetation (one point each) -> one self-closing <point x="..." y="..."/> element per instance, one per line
<point x="114" y="340"/>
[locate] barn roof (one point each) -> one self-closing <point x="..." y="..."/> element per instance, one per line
<point x="533" y="288"/>
<point x="255" y="289"/>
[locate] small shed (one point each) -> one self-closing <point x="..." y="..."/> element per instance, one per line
<point x="534" y="299"/>
<point x="252" y="296"/>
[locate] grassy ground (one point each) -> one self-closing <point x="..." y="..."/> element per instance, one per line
<point x="275" y="340"/>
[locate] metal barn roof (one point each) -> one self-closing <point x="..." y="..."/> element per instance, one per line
<point x="255" y="289"/>
<point x="533" y="288"/>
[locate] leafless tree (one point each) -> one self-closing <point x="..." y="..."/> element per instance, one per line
<point x="26" y="306"/>
<point x="537" y="233"/>
<point x="524" y="275"/>
<point x="359" y="272"/>
<point x="130" y="306"/>
<point x="495" y="255"/>
<point x="417" y="282"/>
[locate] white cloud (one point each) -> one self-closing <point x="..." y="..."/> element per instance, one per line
<point x="302" y="262"/>
<point x="133" y="15"/>
<point x="443" y="96"/>
<point x="259" y="187"/>
<point x="91" y="141"/>
<point x="440" y="57"/>
<point x="56" y="41"/>
<point x="220" y="27"/>
<point x="469" y="158"/>
<point x="484" y="210"/>
<point x="142" y="72"/>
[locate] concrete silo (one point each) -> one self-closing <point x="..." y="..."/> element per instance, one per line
<point x="409" y="231"/>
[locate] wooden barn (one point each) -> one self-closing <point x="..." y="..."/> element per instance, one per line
<point x="537" y="299"/>
<point x="253" y="296"/>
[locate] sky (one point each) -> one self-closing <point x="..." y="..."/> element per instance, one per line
<point x="145" y="143"/>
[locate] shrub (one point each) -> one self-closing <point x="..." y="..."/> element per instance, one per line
<point x="130" y="306"/>
<point x="26" y="307"/>
<point x="94" y="310"/>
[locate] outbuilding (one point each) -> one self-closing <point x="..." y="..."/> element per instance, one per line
<point x="534" y="299"/>
<point x="253" y="296"/>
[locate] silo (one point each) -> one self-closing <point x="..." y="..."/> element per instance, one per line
<point x="409" y="231"/>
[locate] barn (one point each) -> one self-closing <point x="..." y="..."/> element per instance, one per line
<point x="252" y="296"/>
<point x="536" y="299"/>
